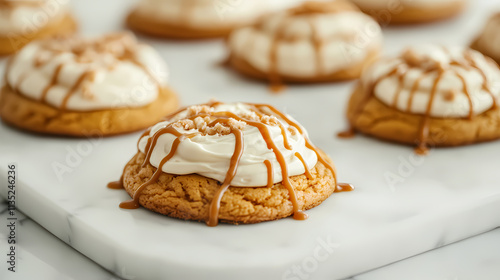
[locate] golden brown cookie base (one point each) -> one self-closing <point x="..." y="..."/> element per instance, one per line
<point x="147" y="25"/>
<point x="66" y="25"/>
<point x="188" y="196"/>
<point x="414" y="15"/>
<point x="27" y="114"/>
<point x="245" y="68"/>
<point x="384" y="122"/>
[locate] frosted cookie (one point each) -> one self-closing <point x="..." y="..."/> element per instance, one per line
<point x="81" y="87"/>
<point x="237" y="163"/>
<point x="488" y="42"/>
<point x="411" y="11"/>
<point x="313" y="42"/>
<point x="429" y="96"/>
<point x="22" y="21"/>
<point x="191" y="19"/>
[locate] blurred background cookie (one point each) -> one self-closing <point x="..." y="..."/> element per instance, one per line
<point x="81" y="87"/>
<point x="317" y="41"/>
<point x="195" y="19"/>
<point x="429" y="96"/>
<point x="24" y="20"/>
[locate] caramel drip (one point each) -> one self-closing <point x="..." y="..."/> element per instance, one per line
<point x="467" y="93"/>
<point x="213" y="215"/>
<point x="318" y="45"/>
<point x="270" y="173"/>
<point x="286" y="143"/>
<point x="413" y="90"/>
<point x="423" y="134"/>
<point x="485" y="78"/>
<point x="349" y="133"/>
<point x="401" y="78"/>
<point x="152" y="143"/>
<point x="52" y="83"/>
<point x="306" y="168"/>
<point x="73" y="89"/>
<point x="134" y="202"/>
<point x="301" y="131"/>
<point x="344" y="187"/>
<point x="142" y="135"/>
<point x="116" y="185"/>
<point x="264" y="131"/>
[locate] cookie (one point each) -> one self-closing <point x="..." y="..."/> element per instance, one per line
<point x="411" y="11"/>
<point x="488" y="41"/>
<point x="27" y="114"/>
<point x="235" y="163"/>
<point x="196" y="19"/>
<point x="24" y="21"/>
<point x="310" y="43"/>
<point x="78" y="87"/>
<point x="187" y="197"/>
<point x="429" y="96"/>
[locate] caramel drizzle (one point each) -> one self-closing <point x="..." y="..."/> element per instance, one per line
<point x="53" y="82"/>
<point x="485" y="87"/>
<point x="344" y="187"/>
<point x="134" y="202"/>
<point x="224" y="117"/>
<point x="465" y="89"/>
<point x="213" y="215"/>
<point x="423" y="132"/>
<point x="116" y="185"/>
<point x="301" y="131"/>
<point x="414" y="89"/>
<point x="422" y="148"/>
<point x="308" y="174"/>
<point x="75" y="87"/>
<point x="286" y="143"/>
<point x="401" y="78"/>
<point x="270" y="173"/>
<point x="264" y="131"/>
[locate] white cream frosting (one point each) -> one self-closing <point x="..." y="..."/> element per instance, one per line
<point x="347" y="39"/>
<point x="210" y="155"/>
<point x="209" y="14"/>
<point x="456" y="107"/>
<point x="28" y="16"/>
<point x="489" y="39"/>
<point x="116" y="83"/>
<point x="395" y="4"/>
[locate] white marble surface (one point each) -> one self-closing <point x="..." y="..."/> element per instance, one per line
<point x="449" y="195"/>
